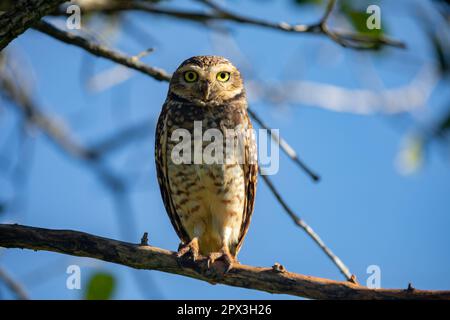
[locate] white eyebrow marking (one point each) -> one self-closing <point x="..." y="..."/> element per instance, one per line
<point x="190" y="67"/>
<point x="222" y="67"/>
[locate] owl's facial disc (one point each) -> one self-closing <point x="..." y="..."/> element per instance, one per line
<point x="211" y="85"/>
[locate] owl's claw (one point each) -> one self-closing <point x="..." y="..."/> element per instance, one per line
<point x="190" y="250"/>
<point x="223" y="256"/>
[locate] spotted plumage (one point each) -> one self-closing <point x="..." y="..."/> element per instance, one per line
<point x="209" y="204"/>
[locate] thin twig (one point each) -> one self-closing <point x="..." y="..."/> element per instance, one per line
<point x="284" y="145"/>
<point x="143" y="53"/>
<point x="49" y="126"/>
<point x="274" y="280"/>
<point x="345" y="39"/>
<point x="121" y="137"/>
<point x="309" y="231"/>
<point x="351" y="40"/>
<point x="13" y="285"/>
<point x="101" y="51"/>
<point x="55" y="131"/>
<point x="330" y="6"/>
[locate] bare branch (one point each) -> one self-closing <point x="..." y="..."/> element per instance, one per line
<point x="13" y="285"/>
<point x="122" y="137"/>
<point x="102" y="51"/>
<point x="309" y="231"/>
<point x="351" y="40"/>
<point x="330" y="6"/>
<point x="273" y="280"/>
<point x="55" y="131"/>
<point x="287" y="149"/>
<point x="22" y="16"/>
<point x="219" y="13"/>
<point x="49" y="126"/>
<point x="414" y="95"/>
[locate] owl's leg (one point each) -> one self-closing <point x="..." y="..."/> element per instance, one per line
<point x="189" y="249"/>
<point x="223" y="256"/>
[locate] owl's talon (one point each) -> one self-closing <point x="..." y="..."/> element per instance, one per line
<point x="223" y="256"/>
<point x="190" y="250"/>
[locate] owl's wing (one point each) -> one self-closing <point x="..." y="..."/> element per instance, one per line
<point x="163" y="180"/>
<point x="250" y="168"/>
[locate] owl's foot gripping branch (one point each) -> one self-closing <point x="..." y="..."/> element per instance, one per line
<point x="139" y="256"/>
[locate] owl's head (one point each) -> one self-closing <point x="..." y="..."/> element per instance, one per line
<point x="207" y="80"/>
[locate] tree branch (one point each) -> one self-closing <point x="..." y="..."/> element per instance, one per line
<point x="309" y="231"/>
<point x="219" y="13"/>
<point x="350" y="40"/>
<point x="102" y="51"/>
<point x="273" y="280"/>
<point x="13" y="285"/>
<point x="22" y="16"/>
<point x="53" y="129"/>
<point x="285" y="147"/>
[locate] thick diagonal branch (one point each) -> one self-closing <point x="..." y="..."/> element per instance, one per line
<point x="22" y="16"/>
<point x="273" y="280"/>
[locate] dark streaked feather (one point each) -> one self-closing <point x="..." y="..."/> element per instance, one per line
<point x="250" y="178"/>
<point x="161" y="169"/>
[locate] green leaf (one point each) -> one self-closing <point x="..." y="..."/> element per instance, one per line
<point x="301" y="2"/>
<point x="358" y="17"/>
<point x="101" y="286"/>
<point x="410" y="157"/>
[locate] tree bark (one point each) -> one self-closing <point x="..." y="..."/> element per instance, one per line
<point x="273" y="280"/>
<point x="22" y="16"/>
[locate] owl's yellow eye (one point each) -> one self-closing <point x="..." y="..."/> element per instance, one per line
<point x="190" y="76"/>
<point x="223" y="76"/>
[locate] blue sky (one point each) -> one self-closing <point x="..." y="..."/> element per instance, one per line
<point x="364" y="209"/>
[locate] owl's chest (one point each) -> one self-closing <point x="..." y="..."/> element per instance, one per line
<point x="202" y="135"/>
<point x="209" y="200"/>
<point x="206" y="182"/>
<point x="187" y="116"/>
<point x="208" y="192"/>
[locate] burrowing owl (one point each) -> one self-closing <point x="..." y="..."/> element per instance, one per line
<point x="209" y="204"/>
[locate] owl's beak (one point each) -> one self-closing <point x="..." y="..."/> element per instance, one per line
<point x="205" y="90"/>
